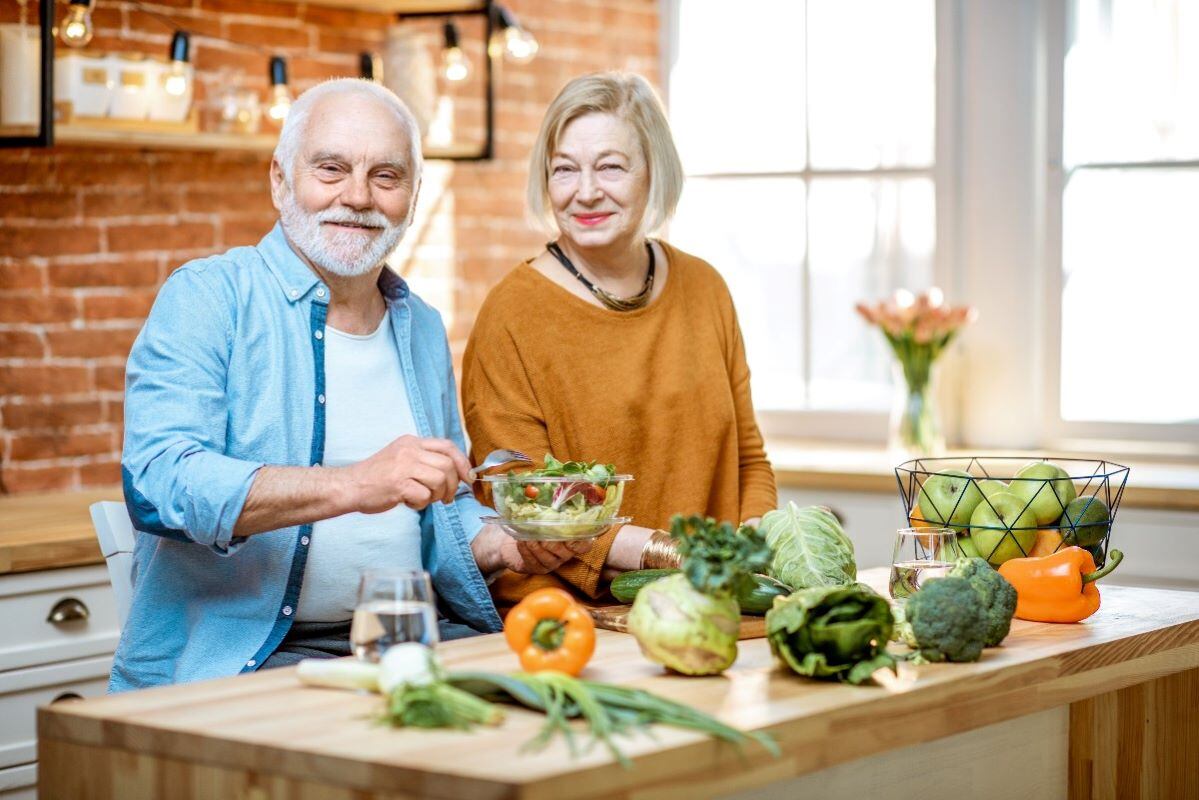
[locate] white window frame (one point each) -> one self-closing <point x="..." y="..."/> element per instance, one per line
<point x="861" y="426"/>
<point x="999" y="179"/>
<point x="1181" y="439"/>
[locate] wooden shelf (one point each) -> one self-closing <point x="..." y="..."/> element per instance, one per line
<point x="401" y="6"/>
<point x="169" y="140"/>
<point x="85" y="136"/>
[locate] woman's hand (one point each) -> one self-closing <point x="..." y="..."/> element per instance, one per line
<point x="494" y="550"/>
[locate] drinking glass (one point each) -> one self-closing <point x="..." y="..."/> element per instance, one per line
<point x="921" y="554"/>
<point x="394" y="606"/>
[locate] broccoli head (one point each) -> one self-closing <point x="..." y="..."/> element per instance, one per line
<point x="998" y="596"/>
<point x="946" y="621"/>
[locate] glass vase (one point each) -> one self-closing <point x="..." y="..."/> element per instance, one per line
<point x="915" y="419"/>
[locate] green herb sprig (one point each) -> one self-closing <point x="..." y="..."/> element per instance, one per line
<point x="438" y="705"/>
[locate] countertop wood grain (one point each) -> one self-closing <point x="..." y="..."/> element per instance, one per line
<point x="51" y="530"/>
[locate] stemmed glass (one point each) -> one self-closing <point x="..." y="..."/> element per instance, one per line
<point x="394" y="606"/>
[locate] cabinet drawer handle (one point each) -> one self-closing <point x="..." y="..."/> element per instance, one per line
<point x="68" y="609"/>
<point x="66" y="696"/>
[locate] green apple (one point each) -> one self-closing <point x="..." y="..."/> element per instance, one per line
<point x="1086" y="521"/>
<point x="1047" y="489"/>
<point x="991" y="486"/>
<point x="966" y="545"/>
<point x="1002" y="528"/>
<point x="948" y="497"/>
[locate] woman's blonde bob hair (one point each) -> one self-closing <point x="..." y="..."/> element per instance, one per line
<point x="629" y="97"/>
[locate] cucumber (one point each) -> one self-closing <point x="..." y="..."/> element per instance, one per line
<point x="757" y="601"/>
<point x="626" y="585"/>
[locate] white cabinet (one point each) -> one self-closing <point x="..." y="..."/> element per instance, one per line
<point x="19" y="783"/>
<point x="59" y="630"/>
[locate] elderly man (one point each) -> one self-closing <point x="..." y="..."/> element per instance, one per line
<point x="291" y="419"/>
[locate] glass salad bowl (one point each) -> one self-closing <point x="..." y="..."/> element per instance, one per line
<point x="561" y="502"/>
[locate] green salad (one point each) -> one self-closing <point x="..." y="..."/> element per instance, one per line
<point x="582" y="492"/>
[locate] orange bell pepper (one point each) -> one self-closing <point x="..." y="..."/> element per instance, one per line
<point x="1058" y="587"/>
<point x="549" y="630"/>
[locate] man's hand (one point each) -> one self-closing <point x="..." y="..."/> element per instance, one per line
<point x="493" y="549"/>
<point x="411" y="471"/>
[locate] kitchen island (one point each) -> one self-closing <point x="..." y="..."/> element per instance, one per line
<point x="1107" y="708"/>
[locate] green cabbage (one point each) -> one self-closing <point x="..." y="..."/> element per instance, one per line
<point x="810" y="549"/>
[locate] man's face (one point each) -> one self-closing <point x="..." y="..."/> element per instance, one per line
<point x="353" y="190"/>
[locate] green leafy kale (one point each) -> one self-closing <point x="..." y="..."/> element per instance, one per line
<point x="718" y="559"/>
<point x="836" y="632"/>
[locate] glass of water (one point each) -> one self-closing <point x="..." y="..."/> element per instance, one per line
<point x="921" y="554"/>
<point x="394" y="606"/>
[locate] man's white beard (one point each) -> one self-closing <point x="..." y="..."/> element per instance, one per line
<point x="342" y="252"/>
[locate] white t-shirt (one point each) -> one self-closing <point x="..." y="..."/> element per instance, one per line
<point x="366" y="408"/>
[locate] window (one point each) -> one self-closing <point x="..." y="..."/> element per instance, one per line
<point x="809" y="144"/>
<point x="1129" y="178"/>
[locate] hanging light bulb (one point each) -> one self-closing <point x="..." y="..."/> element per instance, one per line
<point x="520" y="45"/>
<point x="510" y="39"/>
<point x="77" y="25"/>
<point x="280" y="94"/>
<point x="178" y="74"/>
<point x="370" y="67"/>
<point x="454" y="65"/>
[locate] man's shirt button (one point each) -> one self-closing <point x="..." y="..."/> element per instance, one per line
<point x="287" y="611"/>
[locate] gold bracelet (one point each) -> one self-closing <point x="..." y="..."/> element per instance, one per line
<point x="659" y="552"/>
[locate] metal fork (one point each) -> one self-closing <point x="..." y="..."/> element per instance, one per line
<point x="498" y="458"/>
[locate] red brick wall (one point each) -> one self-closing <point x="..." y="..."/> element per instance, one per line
<point x="88" y="235"/>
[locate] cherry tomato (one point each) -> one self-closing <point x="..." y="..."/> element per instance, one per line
<point x="532" y="491"/>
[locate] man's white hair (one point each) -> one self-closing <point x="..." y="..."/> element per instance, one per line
<point x="296" y="125"/>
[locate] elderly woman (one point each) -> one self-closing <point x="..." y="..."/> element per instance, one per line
<point x="615" y="347"/>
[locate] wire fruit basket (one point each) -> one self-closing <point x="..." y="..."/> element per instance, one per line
<point x="1006" y="507"/>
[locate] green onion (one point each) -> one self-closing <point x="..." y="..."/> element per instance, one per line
<point x="607" y="709"/>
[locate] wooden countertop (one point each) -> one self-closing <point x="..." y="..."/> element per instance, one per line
<point x="269" y="724"/>
<point x="47" y="531"/>
<point x="817" y="465"/>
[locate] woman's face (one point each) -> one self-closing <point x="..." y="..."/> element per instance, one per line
<point x="599" y="181"/>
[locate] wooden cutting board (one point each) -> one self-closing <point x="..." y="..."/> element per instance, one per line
<point x="616" y="618"/>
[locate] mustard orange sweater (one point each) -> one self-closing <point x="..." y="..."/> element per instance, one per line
<point x="661" y="392"/>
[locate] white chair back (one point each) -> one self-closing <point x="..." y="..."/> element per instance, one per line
<point x="116" y="535"/>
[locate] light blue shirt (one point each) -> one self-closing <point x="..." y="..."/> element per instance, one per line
<point x="228" y="376"/>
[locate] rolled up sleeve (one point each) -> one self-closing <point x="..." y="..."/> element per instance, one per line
<point x="178" y="481"/>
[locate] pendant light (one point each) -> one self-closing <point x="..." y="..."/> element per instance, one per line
<point x="280" y="93"/>
<point x="77" y="26"/>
